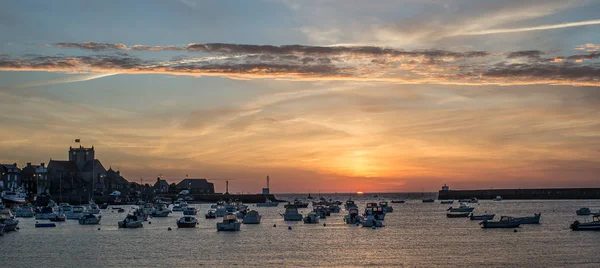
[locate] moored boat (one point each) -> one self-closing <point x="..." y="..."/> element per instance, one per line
<point x="321" y="211"/>
<point x="498" y="198"/>
<point x="230" y="223"/>
<point x="161" y="211"/>
<point x="58" y="217"/>
<point x="211" y="214"/>
<point x="311" y="218"/>
<point x="45" y="225"/>
<point x="350" y="205"/>
<point x="24" y="212"/>
<point x="252" y="217"/>
<point x="461" y="208"/>
<point x="75" y="213"/>
<point x="8" y="220"/>
<point x="374" y="210"/>
<point x="594" y="225"/>
<point x="397" y="201"/>
<point x="131" y="221"/>
<point x="90" y="219"/>
<point x="447" y="202"/>
<point x="187" y="222"/>
<point x="504" y="222"/>
<point x="429" y="200"/>
<point x="386" y="207"/>
<point x="352" y="217"/>
<point x="370" y="221"/>
<point x="103" y="206"/>
<point x="190" y="210"/>
<point x="291" y="214"/>
<point x="583" y="212"/>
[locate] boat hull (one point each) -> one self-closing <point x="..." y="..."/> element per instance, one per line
<point x="292" y="217"/>
<point x="458" y="215"/>
<point x="228" y="226"/>
<point x="251" y="220"/>
<point x="44" y="225"/>
<point x="186" y="224"/>
<point x="586" y="226"/>
<point x="486" y="217"/>
<point x="491" y="224"/>
<point x="136" y="224"/>
<point x="89" y="221"/>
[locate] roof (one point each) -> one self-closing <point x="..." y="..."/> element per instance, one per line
<point x="194" y="184"/>
<point x="115" y="176"/>
<point x="161" y="183"/>
<point x="62" y="166"/>
<point x="97" y="166"/>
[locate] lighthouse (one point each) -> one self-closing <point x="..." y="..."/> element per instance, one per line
<point x="266" y="191"/>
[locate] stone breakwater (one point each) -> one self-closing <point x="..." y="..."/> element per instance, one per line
<point x="549" y="193"/>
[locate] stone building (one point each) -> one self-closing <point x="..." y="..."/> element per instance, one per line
<point x="35" y="178"/>
<point x="196" y="186"/>
<point x="10" y="177"/>
<point x="81" y="171"/>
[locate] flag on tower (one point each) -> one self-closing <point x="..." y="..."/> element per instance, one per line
<point x="77" y="140"/>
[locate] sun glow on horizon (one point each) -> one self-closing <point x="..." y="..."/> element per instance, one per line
<point x="359" y="192"/>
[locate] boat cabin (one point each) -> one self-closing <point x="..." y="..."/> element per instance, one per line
<point x="353" y="211"/>
<point x="372" y="205"/>
<point x="229" y="218"/>
<point x="350" y="203"/>
<point x="383" y="203"/>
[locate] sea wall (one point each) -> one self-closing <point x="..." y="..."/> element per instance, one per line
<point x="552" y="193"/>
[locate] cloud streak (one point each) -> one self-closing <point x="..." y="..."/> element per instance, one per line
<point x="534" y="28"/>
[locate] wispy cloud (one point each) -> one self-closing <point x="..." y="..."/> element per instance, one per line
<point x="300" y="62"/>
<point x="533" y="28"/>
<point x="63" y="80"/>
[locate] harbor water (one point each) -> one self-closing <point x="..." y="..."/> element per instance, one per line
<point x="416" y="234"/>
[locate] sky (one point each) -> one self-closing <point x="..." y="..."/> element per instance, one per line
<point x="329" y="96"/>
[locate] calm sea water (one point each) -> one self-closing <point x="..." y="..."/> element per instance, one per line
<point x="416" y="235"/>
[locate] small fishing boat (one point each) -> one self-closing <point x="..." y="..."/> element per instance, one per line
<point x="179" y="206"/>
<point x="131" y="221"/>
<point x="321" y="211"/>
<point x="352" y="217"/>
<point x="267" y="203"/>
<point x="75" y="213"/>
<point x="311" y="218"/>
<point x="24" y="212"/>
<point x="498" y="198"/>
<point x="430" y="200"/>
<point x="300" y="204"/>
<point x="447" y="202"/>
<point x="190" y="210"/>
<point x="45" y="225"/>
<point x="8" y="220"/>
<point x="484" y="217"/>
<point x="211" y="214"/>
<point x="58" y="217"/>
<point x="504" y="222"/>
<point x="370" y="221"/>
<point x="90" y="219"/>
<point x="473" y="200"/>
<point x="458" y="214"/>
<point x="586" y="212"/>
<point x="291" y="214"/>
<point x="252" y="217"/>
<point x="334" y="208"/>
<point x="586" y="226"/>
<point x="530" y="220"/>
<point x="187" y="222"/>
<point x="93" y="208"/>
<point x="45" y="213"/>
<point x="121" y="210"/>
<point x="350" y="205"/>
<point x="462" y="208"/>
<point x="397" y="201"/>
<point x="374" y="210"/>
<point x="230" y="223"/>
<point x="221" y="211"/>
<point x="161" y="211"/>
<point x="386" y="208"/>
<point x="103" y="206"/>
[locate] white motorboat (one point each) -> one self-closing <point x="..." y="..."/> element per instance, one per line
<point x="13" y="198"/>
<point x="93" y="208"/>
<point x="252" y="217"/>
<point x="75" y="213"/>
<point x="131" y="221"/>
<point x="291" y="213"/>
<point x="219" y="203"/>
<point x="221" y="211"/>
<point x="535" y="219"/>
<point x="24" y="212"/>
<point x="181" y="206"/>
<point x="190" y="211"/>
<point x="267" y="203"/>
<point x="352" y="217"/>
<point x="187" y="222"/>
<point x="8" y="220"/>
<point x="90" y="219"/>
<point x="386" y="207"/>
<point x="498" y="198"/>
<point x="370" y="221"/>
<point x="148" y="208"/>
<point x="586" y="212"/>
<point x="311" y="218"/>
<point x="586" y="226"/>
<point x="161" y="211"/>
<point x="230" y="223"/>
<point x="462" y="208"/>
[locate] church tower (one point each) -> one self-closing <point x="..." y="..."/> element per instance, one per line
<point x="81" y="156"/>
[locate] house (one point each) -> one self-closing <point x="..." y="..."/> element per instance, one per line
<point x="196" y="186"/>
<point x="161" y="186"/>
<point x="35" y="178"/>
<point x="10" y="177"/>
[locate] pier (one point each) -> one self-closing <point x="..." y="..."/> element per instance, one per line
<point x="544" y="193"/>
